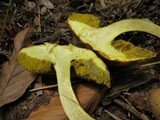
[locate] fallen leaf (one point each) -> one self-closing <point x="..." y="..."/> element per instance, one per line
<point x="88" y="95"/>
<point x="140" y="100"/>
<point x="30" y="5"/>
<point x="48" y="4"/>
<point x="86" y="28"/>
<point x="154" y="101"/>
<point x="37" y="21"/>
<point x="14" y="79"/>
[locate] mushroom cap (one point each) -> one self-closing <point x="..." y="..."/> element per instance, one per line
<point x="102" y="39"/>
<point x="87" y="19"/>
<point x="37" y="59"/>
<point x="87" y="65"/>
<point x="42" y="58"/>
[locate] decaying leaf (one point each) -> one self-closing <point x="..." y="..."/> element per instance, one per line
<point x="154" y="99"/>
<point x="48" y="4"/>
<point x="85" y="26"/>
<point x="14" y="79"/>
<point x="87" y="65"/>
<point x="88" y="96"/>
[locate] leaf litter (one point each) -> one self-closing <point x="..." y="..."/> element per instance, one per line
<point x="88" y="95"/>
<point x="144" y="9"/>
<point x="15" y="79"/>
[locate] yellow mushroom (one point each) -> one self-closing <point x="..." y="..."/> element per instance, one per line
<point x="86" y="27"/>
<point x="43" y="58"/>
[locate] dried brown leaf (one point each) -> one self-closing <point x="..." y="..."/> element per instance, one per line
<point x="48" y="4"/>
<point x="154" y="98"/>
<point x="14" y="79"/>
<point x="87" y="94"/>
<point x="140" y="100"/>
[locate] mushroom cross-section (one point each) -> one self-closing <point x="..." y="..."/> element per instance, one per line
<point x="86" y="28"/>
<point x="43" y="58"/>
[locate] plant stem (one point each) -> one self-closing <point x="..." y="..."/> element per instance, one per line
<point x="5" y="19"/>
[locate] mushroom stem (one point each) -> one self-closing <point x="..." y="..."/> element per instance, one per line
<point x="68" y="99"/>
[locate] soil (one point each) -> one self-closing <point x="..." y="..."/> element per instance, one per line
<point x="53" y="28"/>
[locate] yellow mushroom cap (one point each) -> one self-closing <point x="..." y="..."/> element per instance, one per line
<point x="86" y="63"/>
<point x="42" y="58"/>
<point x="102" y="39"/>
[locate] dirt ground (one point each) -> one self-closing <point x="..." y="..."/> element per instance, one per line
<point x="131" y="87"/>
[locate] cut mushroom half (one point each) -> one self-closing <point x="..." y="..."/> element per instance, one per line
<point x="43" y="58"/>
<point x="86" y="28"/>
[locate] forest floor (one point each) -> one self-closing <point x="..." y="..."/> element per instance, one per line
<point x="129" y="96"/>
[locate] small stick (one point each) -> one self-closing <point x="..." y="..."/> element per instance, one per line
<point x="112" y="115"/>
<point x="149" y="64"/>
<point x="130" y="109"/>
<point x="116" y="90"/>
<point x="46" y="87"/>
<point x="42" y="88"/>
<point x="102" y="3"/>
<point x="39" y="17"/>
<point x="90" y="7"/>
<point x="5" y="19"/>
<point x="142" y="116"/>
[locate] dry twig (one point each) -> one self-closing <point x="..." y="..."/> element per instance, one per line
<point x="112" y="115"/>
<point x="131" y="109"/>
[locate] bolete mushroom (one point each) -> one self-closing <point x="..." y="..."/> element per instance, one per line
<point x="86" y="28"/>
<point x="43" y="58"/>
